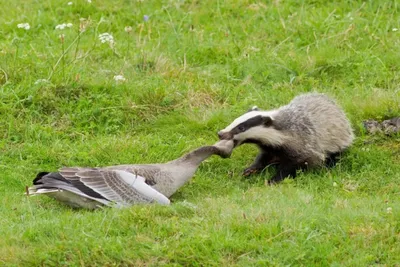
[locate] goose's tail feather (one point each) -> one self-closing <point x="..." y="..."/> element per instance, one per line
<point x="54" y="185"/>
<point x="39" y="176"/>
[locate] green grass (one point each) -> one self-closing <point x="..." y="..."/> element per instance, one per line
<point x="190" y="69"/>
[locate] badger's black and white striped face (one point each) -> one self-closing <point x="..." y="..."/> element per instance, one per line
<point x="254" y="126"/>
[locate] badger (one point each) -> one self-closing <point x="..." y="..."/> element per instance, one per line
<point x="310" y="131"/>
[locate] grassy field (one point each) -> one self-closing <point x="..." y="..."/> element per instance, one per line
<point x="166" y="85"/>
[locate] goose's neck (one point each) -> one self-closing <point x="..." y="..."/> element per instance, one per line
<point x="197" y="156"/>
<point x="183" y="168"/>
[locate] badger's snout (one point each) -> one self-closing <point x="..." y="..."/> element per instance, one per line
<point x="225" y="135"/>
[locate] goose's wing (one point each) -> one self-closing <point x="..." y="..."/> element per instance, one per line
<point x="69" y="190"/>
<point x="120" y="186"/>
<point x="148" y="171"/>
<point x="69" y="174"/>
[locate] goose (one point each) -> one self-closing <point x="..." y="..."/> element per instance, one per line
<point x="124" y="185"/>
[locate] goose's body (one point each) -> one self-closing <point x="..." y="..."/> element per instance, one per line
<point x="124" y="185"/>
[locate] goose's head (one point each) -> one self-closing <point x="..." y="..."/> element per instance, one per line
<point x="224" y="148"/>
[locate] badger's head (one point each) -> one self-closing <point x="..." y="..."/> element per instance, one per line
<point x="255" y="126"/>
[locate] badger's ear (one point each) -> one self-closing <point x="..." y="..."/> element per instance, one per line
<point x="267" y="121"/>
<point x="254" y="108"/>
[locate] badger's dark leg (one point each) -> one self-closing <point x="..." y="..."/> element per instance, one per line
<point x="332" y="159"/>
<point x="262" y="160"/>
<point x="285" y="169"/>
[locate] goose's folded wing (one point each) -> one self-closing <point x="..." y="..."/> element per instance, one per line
<point x="54" y="182"/>
<point x="69" y="174"/>
<point x="120" y="186"/>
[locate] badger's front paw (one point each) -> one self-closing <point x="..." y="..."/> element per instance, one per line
<point x="250" y="171"/>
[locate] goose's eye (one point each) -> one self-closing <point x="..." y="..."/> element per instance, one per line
<point x="242" y="128"/>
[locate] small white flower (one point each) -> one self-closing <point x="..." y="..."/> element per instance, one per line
<point x="69" y="3"/>
<point x="25" y="26"/>
<point x="128" y="29"/>
<point x="334" y="184"/>
<point x="395" y="30"/>
<point x="63" y="26"/>
<point x="389" y="210"/>
<point x="106" y="38"/>
<point x="40" y="81"/>
<point x="119" y="78"/>
<point x="89" y="1"/>
<point x="60" y="26"/>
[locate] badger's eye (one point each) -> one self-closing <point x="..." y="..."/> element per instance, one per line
<point x="241" y="128"/>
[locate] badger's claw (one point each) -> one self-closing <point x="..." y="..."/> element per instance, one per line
<point x="270" y="182"/>
<point x="250" y="171"/>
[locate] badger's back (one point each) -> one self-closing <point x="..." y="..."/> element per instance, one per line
<point x="316" y="126"/>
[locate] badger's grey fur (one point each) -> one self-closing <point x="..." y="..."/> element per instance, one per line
<point x="310" y="131"/>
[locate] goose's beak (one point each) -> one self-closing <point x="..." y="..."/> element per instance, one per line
<point x="225" y="135"/>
